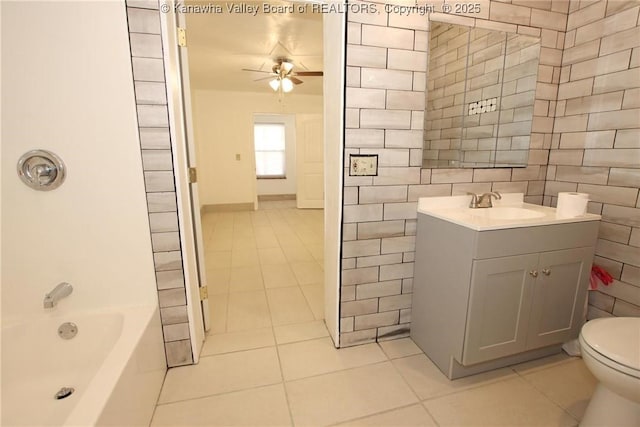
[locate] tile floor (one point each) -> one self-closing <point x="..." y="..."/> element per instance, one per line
<point x="264" y="268"/>
<point x="268" y="359"/>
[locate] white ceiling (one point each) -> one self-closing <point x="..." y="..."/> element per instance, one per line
<point x="220" y="45"/>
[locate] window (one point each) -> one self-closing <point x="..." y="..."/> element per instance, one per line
<point x="269" y="139"/>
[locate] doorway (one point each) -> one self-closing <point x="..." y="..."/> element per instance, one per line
<point x="228" y="226"/>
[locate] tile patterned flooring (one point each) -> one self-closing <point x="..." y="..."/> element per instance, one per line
<point x="268" y="359"/>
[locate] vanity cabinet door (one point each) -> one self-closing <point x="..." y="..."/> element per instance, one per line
<point x="559" y="296"/>
<point x="499" y="307"/>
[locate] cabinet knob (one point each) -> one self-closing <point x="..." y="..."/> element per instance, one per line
<point x="546" y="272"/>
<point x="533" y="273"/>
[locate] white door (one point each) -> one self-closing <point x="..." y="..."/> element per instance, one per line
<point x="310" y="161"/>
<point x="193" y="187"/>
<point x="187" y="195"/>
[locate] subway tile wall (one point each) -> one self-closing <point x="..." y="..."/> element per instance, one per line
<point x="596" y="141"/>
<point x="469" y="66"/>
<point x="155" y="143"/>
<point x="386" y="77"/>
<point x="446" y="74"/>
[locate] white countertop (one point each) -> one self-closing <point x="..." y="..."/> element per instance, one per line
<point x="456" y="209"/>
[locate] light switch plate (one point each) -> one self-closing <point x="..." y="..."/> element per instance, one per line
<point x="363" y="165"/>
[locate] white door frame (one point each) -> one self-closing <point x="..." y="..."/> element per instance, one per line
<point x="334" y="33"/>
<point x="334" y="46"/>
<point x="193" y="186"/>
<point x="177" y="124"/>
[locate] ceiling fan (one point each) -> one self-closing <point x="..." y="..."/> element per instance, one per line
<point x="282" y="75"/>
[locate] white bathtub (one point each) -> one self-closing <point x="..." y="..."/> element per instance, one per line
<point x="115" y="363"/>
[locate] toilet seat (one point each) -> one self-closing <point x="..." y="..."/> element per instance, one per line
<point x="614" y="342"/>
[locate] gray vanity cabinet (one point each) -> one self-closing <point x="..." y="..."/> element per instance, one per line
<point x="499" y="308"/>
<point x="487" y="299"/>
<point x="559" y="296"/>
<point x="524" y="302"/>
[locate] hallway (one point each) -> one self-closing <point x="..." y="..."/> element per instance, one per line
<point x="264" y="268"/>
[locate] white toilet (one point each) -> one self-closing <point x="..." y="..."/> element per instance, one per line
<point x="611" y="350"/>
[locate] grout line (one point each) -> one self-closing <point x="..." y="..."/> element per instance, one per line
<point x="430" y="414"/>
<point x="304" y="339"/>
<point x="155" y="407"/>
<point x="395" y="368"/>
<point x="295" y="229"/>
<point x="548" y="397"/>
<point x="550" y="365"/>
<point x="278" y="349"/>
<point x="260" y="347"/>
<point x="286" y="395"/>
<point x="484" y="383"/>
<point x="339" y="370"/>
<point x="351" y="420"/>
<point x="219" y="393"/>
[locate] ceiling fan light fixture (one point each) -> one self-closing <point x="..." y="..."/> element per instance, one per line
<point x="288" y="66"/>
<point x="275" y="84"/>
<point x="287" y="84"/>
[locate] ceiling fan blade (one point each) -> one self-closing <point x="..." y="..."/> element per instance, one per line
<point x="257" y="71"/>
<point x="309" y="73"/>
<point x="263" y="78"/>
<point x="295" y="80"/>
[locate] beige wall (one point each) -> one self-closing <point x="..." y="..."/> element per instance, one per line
<point x="596" y="141"/>
<point x="223" y="125"/>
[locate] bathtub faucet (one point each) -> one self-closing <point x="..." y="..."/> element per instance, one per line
<point x="62" y="290"/>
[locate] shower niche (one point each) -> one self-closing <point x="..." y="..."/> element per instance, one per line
<point x="480" y="95"/>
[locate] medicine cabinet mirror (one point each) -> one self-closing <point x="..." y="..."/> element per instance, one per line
<point x="481" y="87"/>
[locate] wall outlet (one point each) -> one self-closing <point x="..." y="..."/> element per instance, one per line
<point x="363" y="165"/>
<point x="483" y="106"/>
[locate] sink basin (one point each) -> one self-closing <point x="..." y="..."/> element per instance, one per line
<point x="507" y="212"/>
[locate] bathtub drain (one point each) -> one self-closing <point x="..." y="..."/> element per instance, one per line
<point x="67" y="330"/>
<point x="63" y="393"/>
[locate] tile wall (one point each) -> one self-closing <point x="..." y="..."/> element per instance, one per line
<point x="585" y="137"/>
<point x="153" y="122"/>
<point x="478" y="65"/>
<point x="446" y="74"/>
<point x="386" y="75"/>
<point x="596" y="142"/>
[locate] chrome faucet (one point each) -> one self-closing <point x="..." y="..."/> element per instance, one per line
<point x="483" y="201"/>
<point x="63" y="289"/>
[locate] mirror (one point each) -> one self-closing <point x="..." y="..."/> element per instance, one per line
<point x="481" y="87"/>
